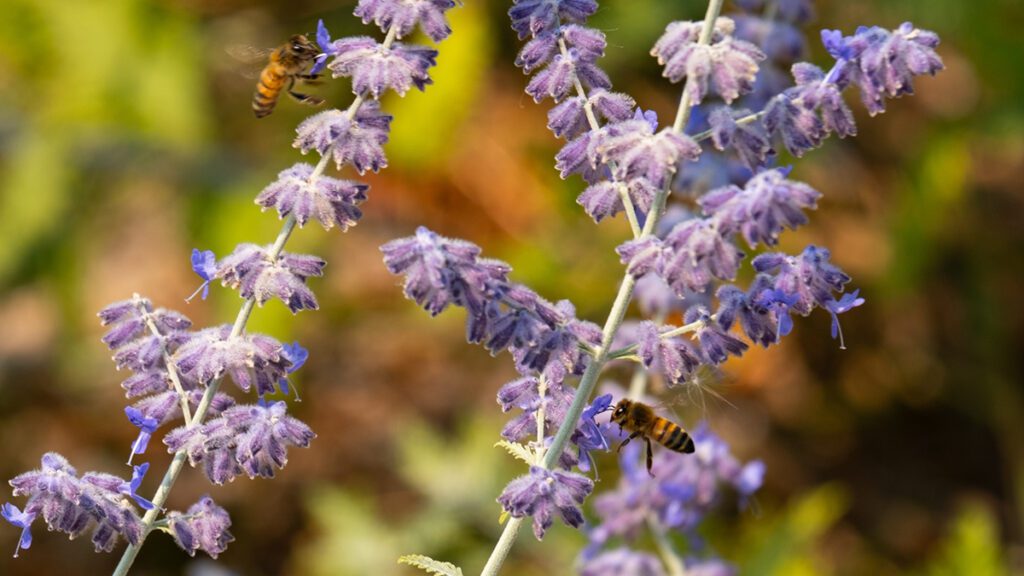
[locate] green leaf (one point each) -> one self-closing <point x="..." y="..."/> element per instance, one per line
<point x="430" y="565"/>
<point x="518" y="450"/>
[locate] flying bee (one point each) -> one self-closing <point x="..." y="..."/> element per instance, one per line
<point x="640" y="419"/>
<point x="285" y="65"/>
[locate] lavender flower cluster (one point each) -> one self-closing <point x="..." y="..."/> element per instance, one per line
<point x="676" y="258"/>
<point x="176" y="372"/>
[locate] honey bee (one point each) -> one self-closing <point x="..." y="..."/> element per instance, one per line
<point x="641" y="420"/>
<point x="286" y="64"/>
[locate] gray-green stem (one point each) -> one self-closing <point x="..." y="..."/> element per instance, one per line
<point x="172" y="369"/>
<point x="668" y="554"/>
<point x="590" y="376"/>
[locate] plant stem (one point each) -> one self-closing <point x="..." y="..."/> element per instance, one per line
<point x="172" y="369"/>
<point x="668" y="554"/>
<point x="590" y="376"/>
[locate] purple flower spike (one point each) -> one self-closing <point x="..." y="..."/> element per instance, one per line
<point x="809" y="277"/>
<point x="146" y="426"/>
<point x="123" y="309"/>
<point x="129" y="488"/>
<point x="604" y="199"/>
<point x="249" y="359"/>
<point x="767" y="204"/>
<point x="328" y="200"/>
<point x="357" y="141"/>
<point x="837" y="307"/>
<point x="203" y="527"/>
<point x="750" y="140"/>
<point x="639" y="152"/>
<point x="887" y="61"/>
<point x="695" y="252"/>
<point x="441" y="271"/>
<point x="375" y="69"/>
<point x="404" y="15"/>
<point x="203" y="264"/>
<point x="717" y="343"/>
<point x="250" y="438"/>
<point x="537" y="52"/>
<point x="268" y="431"/>
<point x="727" y="64"/>
<point x="798" y="126"/>
<point x="258" y="275"/>
<point x="816" y="93"/>
<point x="71" y="504"/>
<point x="22" y="520"/>
<point x="674" y="357"/>
<point x="623" y="561"/>
<point x="542" y="493"/>
<point x="588" y="43"/>
<point x="763" y="312"/>
<point x="534" y="17"/>
<point x="559" y="77"/>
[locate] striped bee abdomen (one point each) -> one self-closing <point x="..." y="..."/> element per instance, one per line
<point x="267" y="90"/>
<point x="671" y="436"/>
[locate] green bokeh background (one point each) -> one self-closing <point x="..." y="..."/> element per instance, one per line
<point x="126" y="139"/>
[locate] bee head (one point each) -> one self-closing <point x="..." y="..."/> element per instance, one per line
<point x="621" y="409"/>
<point x="301" y="45"/>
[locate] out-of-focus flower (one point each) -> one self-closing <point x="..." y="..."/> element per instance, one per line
<point x="621" y="561"/>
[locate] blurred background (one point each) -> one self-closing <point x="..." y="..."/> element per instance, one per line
<point x="126" y="139"/>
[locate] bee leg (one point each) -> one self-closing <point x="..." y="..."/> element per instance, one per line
<point x="626" y="441"/>
<point x="309" y="76"/>
<point x="306" y="98"/>
<point x="650" y="457"/>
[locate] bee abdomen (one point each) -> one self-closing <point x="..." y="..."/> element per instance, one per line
<point x="673" y="437"/>
<point x="267" y="91"/>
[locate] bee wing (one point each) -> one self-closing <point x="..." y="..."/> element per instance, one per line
<point x="250" y="59"/>
<point x="692" y="391"/>
<point x="247" y="54"/>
